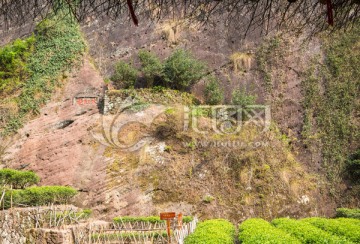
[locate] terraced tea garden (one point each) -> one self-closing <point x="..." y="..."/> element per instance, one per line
<point x="281" y="230"/>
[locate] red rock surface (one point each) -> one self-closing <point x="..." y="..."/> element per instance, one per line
<point x="63" y="156"/>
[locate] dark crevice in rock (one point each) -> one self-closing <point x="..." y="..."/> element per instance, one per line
<point x="81" y="113"/>
<point x="64" y="124"/>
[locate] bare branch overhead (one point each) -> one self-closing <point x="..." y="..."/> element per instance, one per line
<point x="267" y="14"/>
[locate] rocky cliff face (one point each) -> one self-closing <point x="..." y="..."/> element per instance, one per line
<point x="171" y="173"/>
<point x="57" y="144"/>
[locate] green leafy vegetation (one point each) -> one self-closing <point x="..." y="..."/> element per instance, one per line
<point x="40" y="195"/>
<point x="208" y="198"/>
<point x="212" y="231"/>
<point x="38" y="62"/>
<point x="179" y="71"/>
<point x="145" y="219"/>
<point x="128" y="235"/>
<point x="134" y="219"/>
<point x="31" y="196"/>
<point x="339" y="227"/>
<point x="306" y="232"/>
<point x="151" y="67"/>
<point x="348" y="213"/>
<point x="213" y="93"/>
<point x="349" y="221"/>
<point x="259" y="231"/>
<point x="18" y="179"/>
<point x="241" y="98"/>
<point x="182" y="70"/>
<point x="13" y="70"/>
<point x="125" y="75"/>
<point x="331" y="89"/>
<point x="163" y="96"/>
<point x="138" y="106"/>
<point x="353" y="166"/>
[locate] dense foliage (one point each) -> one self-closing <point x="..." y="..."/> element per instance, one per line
<point x="306" y="232"/>
<point x="241" y="98"/>
<point x="14" y="183"/>
<point x="145" y="219"/>
<point x="215" y="231"/>
<point x="13" y="59"/>
<point x="18" y="179"/>
<point x="39" y="62"/>
<point x="134" y="219"/>
<point x="259" y="231"/>
<point x="125" y="75"/>
<point x="339" y="227"/>
<point x="36" y="196"/>
<point x="353" y="166"/>
<point x="151" y="68"/>
<point x="213" y="93"/>
<point x="348" y="213"/>
<point x="179" y="71"/>
<point x="182" y="70"/>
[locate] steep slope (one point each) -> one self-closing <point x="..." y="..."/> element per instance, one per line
<point x="57" y="144"/>
<point x="268" y="174"/>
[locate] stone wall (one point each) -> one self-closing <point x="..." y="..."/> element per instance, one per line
<point x="31" y="225"/>
<point x="16" y="223"/>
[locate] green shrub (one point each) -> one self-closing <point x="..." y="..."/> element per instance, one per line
<point x="182" y="71"/>
<point x="348" y="213"/>
<point x="18" y="179"/>
<point x="215" y="231"/>
<point x="213" y="93"/>
<point x="241" y="98"/>
<point x="306" y="232"/>
<point x="259" y="231"/>
<point x="349" y="221"/>
<point x="145" y="219"/>
<point x="125" y="75"/>
<point x="6" y="175"/>
<point x="13" y="70"/>
<point x="127" y="236"/>
<point x="337" y="227"/>
<point x="187" y="219"/>
<point x="151" y="67"/>
<point x="134" y="219"/>
<point x="353" y="166"/>
<point x="86" y="212"/>
<point x="37" y="196"/>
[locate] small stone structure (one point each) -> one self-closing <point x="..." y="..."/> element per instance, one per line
<point x="115" y="100"/>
